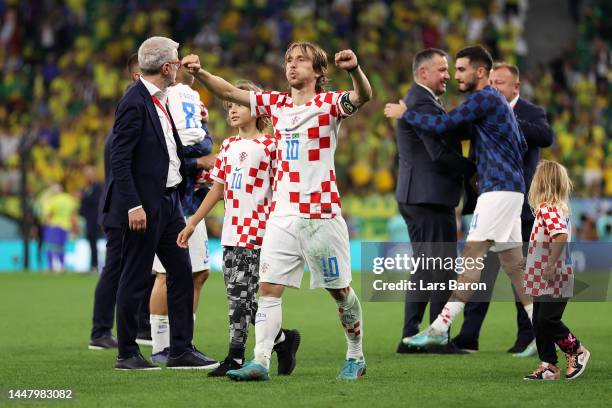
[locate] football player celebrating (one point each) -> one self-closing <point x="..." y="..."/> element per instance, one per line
<point x="305" y="223"/>
<point x="243" y="175"/>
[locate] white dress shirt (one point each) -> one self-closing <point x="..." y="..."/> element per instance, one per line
<point x="431" y="92"/>
<point x="174" y="176"/>
<point x="514" y="101"/>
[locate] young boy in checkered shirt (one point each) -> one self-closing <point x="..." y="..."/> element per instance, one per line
<point x="548" y="274"/>
<point x="305" y="224"/>
<point x="243" y="174"/>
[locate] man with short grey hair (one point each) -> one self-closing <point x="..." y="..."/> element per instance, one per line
<point x="143" y="199"/>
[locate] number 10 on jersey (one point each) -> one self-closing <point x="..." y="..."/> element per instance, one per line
<point x="292" y="151"/>
<point x="236" y="182"/>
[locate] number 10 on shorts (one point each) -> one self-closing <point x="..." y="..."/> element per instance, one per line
<point x="330" y="268"/>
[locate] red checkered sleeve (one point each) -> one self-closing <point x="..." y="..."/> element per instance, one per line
<point x="554" y="222"/>
<point x="204" y="112"/>
<point x="218" y="172"/>
<point x="263" y="103"/>
<point x="273" y="148"/>
<point x="341" y="107"/>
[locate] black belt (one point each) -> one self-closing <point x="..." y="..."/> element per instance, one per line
<point x="170" y="190"/>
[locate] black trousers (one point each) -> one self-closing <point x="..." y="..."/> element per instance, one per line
<point x="433" y="233"/>
<point x="475" y="312"/>
<point x="92" y="239"/>
<point x="550" y="330"/>
<point x="137" y="253"/>
<point x="105" y="295"/>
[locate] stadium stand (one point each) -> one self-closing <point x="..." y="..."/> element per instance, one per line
<point x="62" y="66"/>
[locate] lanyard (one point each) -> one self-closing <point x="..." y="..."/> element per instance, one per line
<point x="160" y="106"/>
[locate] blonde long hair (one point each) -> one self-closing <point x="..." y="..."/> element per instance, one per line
<point x="550" y="185"/>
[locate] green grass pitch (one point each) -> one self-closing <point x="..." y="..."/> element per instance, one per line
<point x="45" y="322"/>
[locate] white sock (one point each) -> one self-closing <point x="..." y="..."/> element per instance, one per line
<point x="529" y="310"/>
<point x="352" y="321"/>
<point x="194" y="317"/>
<point x="280" y="337"/>
<point x="160" y="332"/>
<point x="445" y="318"/>
<point x="267" y="324"/>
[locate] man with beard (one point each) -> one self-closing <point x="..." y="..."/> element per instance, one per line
<point x="499" y="146"/>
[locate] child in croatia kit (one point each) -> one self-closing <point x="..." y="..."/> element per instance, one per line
<point x="243" y="175"/>
<point x="549" y="276"/>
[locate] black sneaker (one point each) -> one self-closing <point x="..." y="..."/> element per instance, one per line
<point x="144" y="338"/>
<point x="471" y="346"/>
<point x="227" y="364"/>
<point x="191" y="360"/>
<point x="103" y="343"/>
<point x="286" y="350"/>
<point x="405" y="349"/>
<point x="136" y="362"/>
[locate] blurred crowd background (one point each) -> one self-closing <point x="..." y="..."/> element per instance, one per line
<point x="63" y="70"/>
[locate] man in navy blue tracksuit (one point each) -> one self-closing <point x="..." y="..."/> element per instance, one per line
<point x="538" y="134"/>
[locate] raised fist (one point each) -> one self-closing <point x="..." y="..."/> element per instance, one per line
<point x="192" y="63"/>
<point x="346" y="59"/>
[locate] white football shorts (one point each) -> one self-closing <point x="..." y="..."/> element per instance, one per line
<point x="198" y="250"/>
<point x="497" y="218"/>
<point x="323" y="244"/>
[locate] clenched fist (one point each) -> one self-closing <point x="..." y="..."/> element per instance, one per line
<point x="192" y="63"/>
<point x="346" y="59"/>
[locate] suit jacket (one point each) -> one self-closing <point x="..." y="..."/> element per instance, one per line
<point x="538" y="134"/>
<point x="90" y="203"/>
<point x="431" y="167"/>
<point x="138" y="159"/>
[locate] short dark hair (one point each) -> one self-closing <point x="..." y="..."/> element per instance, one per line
<point x="510" y="67"/>
<point x="423" y="56"/>
<point x="478" y="56"/>
<point x="132" y="62"/>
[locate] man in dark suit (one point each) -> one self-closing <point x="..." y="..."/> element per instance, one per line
<point x="431" y="170"/>
<point x="143" y="197"/>
<point x="90" y="200"/>
<point x="106" y="289"/>
<point x="538" y="134"/>
<point x="105" y="294"/>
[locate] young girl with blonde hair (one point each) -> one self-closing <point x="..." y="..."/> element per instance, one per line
<point x="549" y="276"/>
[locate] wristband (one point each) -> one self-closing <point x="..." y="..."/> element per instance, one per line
<point x="352" y="69"/>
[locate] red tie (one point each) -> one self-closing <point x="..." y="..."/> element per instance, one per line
<point x="160" y="106"/>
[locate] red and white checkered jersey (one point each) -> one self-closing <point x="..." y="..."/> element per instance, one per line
<point x="187" y="111"/>
<point x="549" y="221"/>
<point x="246" y="168"/>
<point x="306" y="136"/>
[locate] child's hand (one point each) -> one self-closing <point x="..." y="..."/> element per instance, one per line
<point x="549" y="272"/>
<point x="523" y="264"/>
<point x="184" y="235"/>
